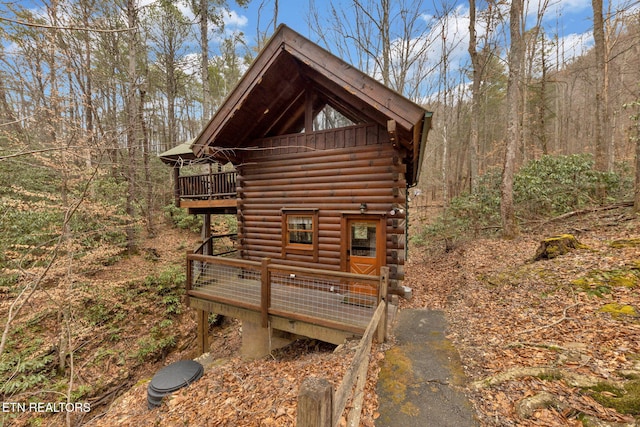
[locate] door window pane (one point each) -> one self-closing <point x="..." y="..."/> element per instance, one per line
<point x="363" y="239"/>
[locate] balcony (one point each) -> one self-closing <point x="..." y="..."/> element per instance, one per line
<point x="207" y="193"/>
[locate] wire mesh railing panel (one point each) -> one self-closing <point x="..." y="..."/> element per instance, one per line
<point x="227" y="281"/>
<point x="327" y="299"/>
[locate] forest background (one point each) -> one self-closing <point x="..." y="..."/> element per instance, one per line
<point x="91" y="92"/>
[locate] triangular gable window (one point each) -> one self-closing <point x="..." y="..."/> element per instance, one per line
<point x="330" y="118"/>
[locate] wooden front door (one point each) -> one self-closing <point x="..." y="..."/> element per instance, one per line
<point x="365" y="250"/>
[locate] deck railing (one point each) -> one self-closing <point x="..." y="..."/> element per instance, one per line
<point x="211" y="244"/>
<point x="333" y="299"/>
<point x="320" y="405"/>
<point x="218" y="185"/>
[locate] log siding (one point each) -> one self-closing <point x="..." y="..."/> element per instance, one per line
<point x="333" y="172"/>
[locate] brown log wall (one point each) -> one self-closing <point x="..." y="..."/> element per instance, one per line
<point x="332" y="171"/>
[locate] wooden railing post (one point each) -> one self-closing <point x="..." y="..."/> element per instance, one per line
<point x="382" y="296"/>
<point x="265" y="291"/>
<point x="315" y="403"/>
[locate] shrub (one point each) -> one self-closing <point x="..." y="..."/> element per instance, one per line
<point x="169" y="287"/>
<point x="549" y="186"/>
<point x="553" y="185"/>
<point x="181" y="219"/>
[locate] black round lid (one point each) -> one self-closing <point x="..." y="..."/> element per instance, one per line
<point x="175" y="376"/>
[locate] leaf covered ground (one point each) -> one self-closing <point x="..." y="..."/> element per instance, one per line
<point x="546" y="343"/>
<point x="553" y="342"/>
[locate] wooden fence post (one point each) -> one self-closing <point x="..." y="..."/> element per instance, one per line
<point x="384" y="285"/>
<point x="315" y="403"/>
<point x="265" y="292"/>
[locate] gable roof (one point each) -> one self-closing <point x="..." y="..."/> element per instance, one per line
<point x="270" y="99"/>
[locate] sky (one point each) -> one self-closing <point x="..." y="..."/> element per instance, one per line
<point x="569" y="20"/>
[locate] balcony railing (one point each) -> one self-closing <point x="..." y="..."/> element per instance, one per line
<point x="333" y="299"/>
<point x="218" y="185"/>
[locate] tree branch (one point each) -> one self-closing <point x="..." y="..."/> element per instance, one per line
<point x="54" y="27"/>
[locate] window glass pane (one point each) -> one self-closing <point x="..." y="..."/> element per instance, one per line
<point x="300" y="229"/>
<point x="303" y="237"/>
<point x="298" y="222"/>
<point x="363" y="239"/>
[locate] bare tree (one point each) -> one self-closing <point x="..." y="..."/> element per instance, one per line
<point x="385" y="39"/>
<point x="132" y="116"/>
<point x="533" y="45"/>
<point x="600" y="104"/>
<point x="515" y="60"/>
<point x="476" y="80"/>
<point x="480" y="57"/>
<point x="168" y="30"/>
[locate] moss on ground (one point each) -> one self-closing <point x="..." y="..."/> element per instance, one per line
<point x="396" y="374"/>
<point x="619" y="310"/>
<point x="624" y="400"/>
<point x="625" y="243"/>
<point x="599" y="282"/>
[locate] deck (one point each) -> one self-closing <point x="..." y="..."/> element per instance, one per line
<point x="207" y="193"/>
<point x="327" y="305"/>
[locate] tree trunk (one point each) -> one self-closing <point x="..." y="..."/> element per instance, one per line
<point x="87" y="92"/>
<point x="204" y="61"/>
<point x="516" y="53"/>
<point x="636" y="193"/>
<point x="475" y="97"/>
<point x="600" y="107"/>
<point x="131" y="129"/>
<point x="146" y="154"/>
<point x="386" y="42"/>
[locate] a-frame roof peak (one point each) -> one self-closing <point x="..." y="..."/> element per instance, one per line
<point x="271" y="97"/>
<point x="276" y="82"/>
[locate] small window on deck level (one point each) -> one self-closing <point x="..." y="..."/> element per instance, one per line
<point x="300" y="232"/>
<point x="300" y="229"/>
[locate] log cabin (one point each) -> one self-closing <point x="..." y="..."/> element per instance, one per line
<point x="319" y="158"/>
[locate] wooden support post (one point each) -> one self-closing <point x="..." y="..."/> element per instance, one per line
<point x="315" y="403"/>
<point x="189" y="279"/>
<point x="384" y="286"/>
<point x="206" y="235"/>
<point x="203" y="331"/>
<point x="265" y="292"/>
<point x="176" y="186"/>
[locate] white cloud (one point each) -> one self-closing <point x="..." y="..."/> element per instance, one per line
<point x="559" y="7"/>
<point x="574" y="45"/>
<point x="234" y="20"/>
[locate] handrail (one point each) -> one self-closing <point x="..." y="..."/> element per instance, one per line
<point x="286" y="268"/>
<point x="319" y="404"/>
<point x="215" y="185"/>
<point x="234" y="262"/>
<point x="200" y="248"/>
